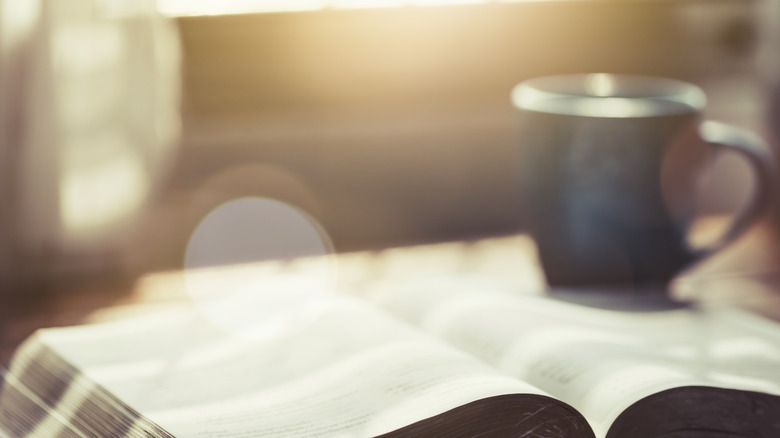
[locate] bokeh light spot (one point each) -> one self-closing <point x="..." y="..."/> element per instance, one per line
<point x="259" y="268"/>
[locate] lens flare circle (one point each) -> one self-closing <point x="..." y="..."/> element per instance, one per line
<point x="259" y="268"/>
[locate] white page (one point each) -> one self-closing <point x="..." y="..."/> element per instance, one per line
<point x="352" y="372"/>
<point x="601" y="361"/>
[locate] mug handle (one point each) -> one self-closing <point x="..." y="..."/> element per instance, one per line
<point x="757" y="152"/>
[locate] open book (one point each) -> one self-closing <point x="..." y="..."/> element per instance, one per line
<point x="417" y="362"/>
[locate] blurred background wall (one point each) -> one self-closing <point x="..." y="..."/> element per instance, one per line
<point x="393" y="126"/>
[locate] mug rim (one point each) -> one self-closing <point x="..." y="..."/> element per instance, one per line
<point x="607" y="95"/>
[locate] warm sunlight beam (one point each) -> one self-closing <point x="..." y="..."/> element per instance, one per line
<point x="219" y="7"/>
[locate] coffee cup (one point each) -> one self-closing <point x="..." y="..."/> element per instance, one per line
<point x="610" y="166"/>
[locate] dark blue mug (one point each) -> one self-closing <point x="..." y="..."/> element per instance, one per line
<point x="609" y="171"/>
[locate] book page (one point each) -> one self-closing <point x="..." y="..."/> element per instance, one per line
<point x="352" y="371"/>
<point x="600" y="361"/>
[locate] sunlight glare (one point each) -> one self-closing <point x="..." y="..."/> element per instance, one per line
<point x="89" y="65"/>
<point x="103" y="181"/>
<point x="218" y="7"/>
<point x="363" y="4"/>
<point x="446" y="2"/>
<point x="259" y="268"/>
<point x="600" y="84"/>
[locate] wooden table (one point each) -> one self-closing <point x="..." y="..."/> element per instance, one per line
<point x="746" y="274"/>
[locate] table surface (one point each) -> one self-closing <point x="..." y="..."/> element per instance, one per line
<point x="745" y="274"/>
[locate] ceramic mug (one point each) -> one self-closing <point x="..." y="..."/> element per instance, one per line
<point x="609" y="171"/>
